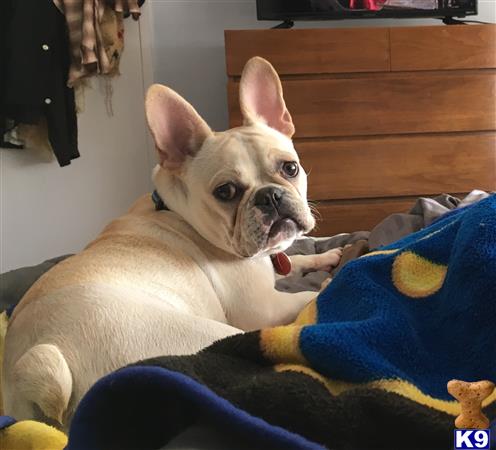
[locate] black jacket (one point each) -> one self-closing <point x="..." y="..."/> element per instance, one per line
<point x="34" y="64"/>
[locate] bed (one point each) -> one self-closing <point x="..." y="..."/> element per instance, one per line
<point x="248" y="393"/>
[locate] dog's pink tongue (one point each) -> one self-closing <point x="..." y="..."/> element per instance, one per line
<point x="282" y="263"/>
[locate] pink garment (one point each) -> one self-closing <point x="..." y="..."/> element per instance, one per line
<point x="373" y="5"/>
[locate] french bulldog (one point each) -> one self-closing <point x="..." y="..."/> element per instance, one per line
<point x="171" y="282"/>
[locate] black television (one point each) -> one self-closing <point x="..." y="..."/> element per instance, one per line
<point x="292" y="10"/>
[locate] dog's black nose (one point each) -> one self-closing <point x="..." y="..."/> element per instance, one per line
<point x="268" y="198"/>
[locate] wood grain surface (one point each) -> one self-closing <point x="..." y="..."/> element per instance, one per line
<point x="382" y="115"/>
<point x="443" y="48"/>
<point x="399" y="165"/>
<point x="420" y="102"/>
<point x="311" y="50"/>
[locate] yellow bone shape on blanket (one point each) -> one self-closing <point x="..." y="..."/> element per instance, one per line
<point x="471" y="396"/>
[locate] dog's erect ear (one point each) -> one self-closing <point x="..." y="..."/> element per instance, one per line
<point x="178" y="130"/>
<point x="261" y="99"/>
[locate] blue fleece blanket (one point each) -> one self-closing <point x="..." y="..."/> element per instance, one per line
<point x="365" y="366"/>
<point x="422" y="310"/>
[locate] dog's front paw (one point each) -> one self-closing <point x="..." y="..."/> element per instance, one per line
<point x="328" y="260"/>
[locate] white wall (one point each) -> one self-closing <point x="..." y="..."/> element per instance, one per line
<point x="188" y="45"/>
<point x="47" y="210"/>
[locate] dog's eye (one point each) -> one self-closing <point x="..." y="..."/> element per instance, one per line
<point x="290" y="169"/>
<point x="226" y="192"/>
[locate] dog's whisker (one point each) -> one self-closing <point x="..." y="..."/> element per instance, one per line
<point x="315" y="212"/>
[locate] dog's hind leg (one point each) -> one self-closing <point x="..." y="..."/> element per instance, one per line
<point x="40" y="378"/>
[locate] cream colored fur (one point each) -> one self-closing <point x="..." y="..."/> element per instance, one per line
<point x="167" y="282"/>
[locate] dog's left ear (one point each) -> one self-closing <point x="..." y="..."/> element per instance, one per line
<point x="261" y="98"/>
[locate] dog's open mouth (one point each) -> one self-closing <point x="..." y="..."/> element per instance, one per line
<point x="283" y="230"/>
<point x="283" y="227"/>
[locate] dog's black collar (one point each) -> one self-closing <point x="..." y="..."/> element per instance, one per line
<point x="159" y="203"/>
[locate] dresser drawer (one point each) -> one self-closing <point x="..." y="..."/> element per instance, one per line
<point x="382" y="115"/>
<point x="347" y="216"/>
<point x="419" y="102"/>
<point x="356" y="215"/>
<point x="443" y="48"/>
<point x="399" y="166"/>
<point x="310" y="51"/>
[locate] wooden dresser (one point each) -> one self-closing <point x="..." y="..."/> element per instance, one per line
<point x="382" y="115"/>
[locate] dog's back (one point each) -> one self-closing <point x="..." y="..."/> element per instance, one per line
<point x="139" y="250"/>
<point x="139" y="277"/>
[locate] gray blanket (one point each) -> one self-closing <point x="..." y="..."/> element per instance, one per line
<point x="15" y="283"/>
<point x="394" y="227"/>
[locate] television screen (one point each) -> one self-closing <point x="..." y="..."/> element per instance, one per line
<point x="289" y="10"/>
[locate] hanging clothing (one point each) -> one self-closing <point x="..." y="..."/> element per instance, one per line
<point x="127" y="7"/>
<point x="83" y="18"/>
<point x="33" y="76"/>
<point x="32" y="137"/>
<point x="87" y="44"/>
<point x="112" y="29"/>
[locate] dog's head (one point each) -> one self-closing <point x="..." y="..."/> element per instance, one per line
<point x="244" y="189"/>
